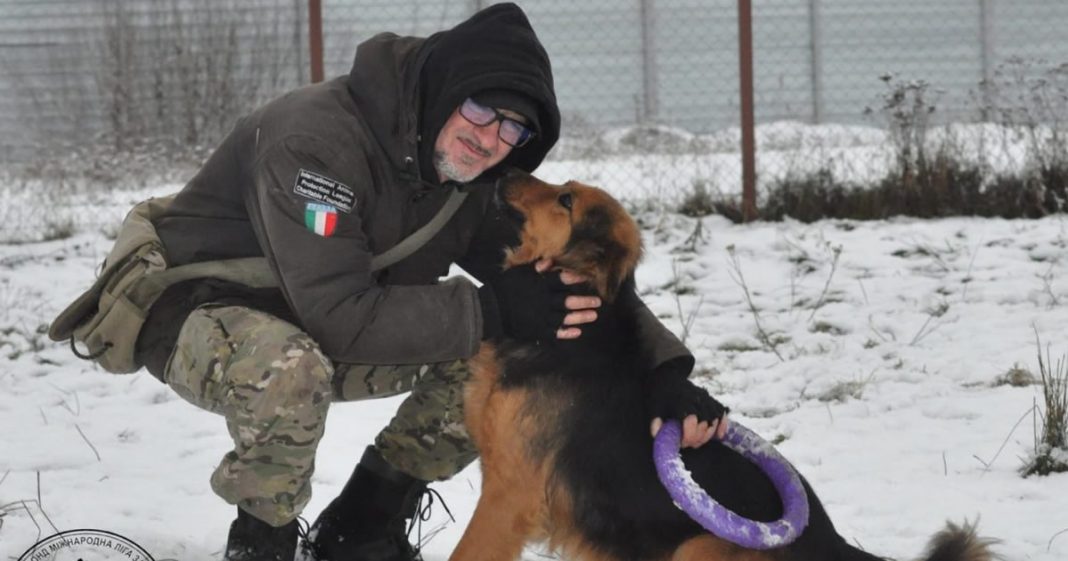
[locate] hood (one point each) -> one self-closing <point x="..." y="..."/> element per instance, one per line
<point x="384" y="83"/>
<point x="407" y="87"/>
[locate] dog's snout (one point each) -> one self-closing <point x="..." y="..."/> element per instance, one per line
<point x="506" y="185"/>
<point x="514" y="173"/>
<point x="502" y="190"/>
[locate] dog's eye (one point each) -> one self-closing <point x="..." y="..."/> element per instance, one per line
<point x="565" y="200"/>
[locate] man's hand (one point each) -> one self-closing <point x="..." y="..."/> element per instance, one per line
<point x="696" y="434"/>
<point x="580" y="309"/>
<point x="673" y="396"/>
<point x="535" y="303"/>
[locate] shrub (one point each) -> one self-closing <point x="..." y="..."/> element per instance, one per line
<point x="698" y="202"/>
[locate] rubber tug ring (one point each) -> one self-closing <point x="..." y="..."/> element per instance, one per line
<point x="714" y="517"/>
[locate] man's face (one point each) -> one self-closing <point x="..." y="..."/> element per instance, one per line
<point x="464" y="150"/>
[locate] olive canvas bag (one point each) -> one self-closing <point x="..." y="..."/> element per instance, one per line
<point x="107" y="318"/>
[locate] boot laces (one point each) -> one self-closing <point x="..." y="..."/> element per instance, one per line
<point x="423" y="511"/>
<point x="309" y="551"/>
<point x="306" y="548"/>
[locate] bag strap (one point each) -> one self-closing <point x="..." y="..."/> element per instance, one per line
<point x="418" y="238"/>
<point x="249" y="271"/>
<point x="254" y="271"/>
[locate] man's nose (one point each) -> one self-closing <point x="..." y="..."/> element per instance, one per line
<point x="487" y="135"/>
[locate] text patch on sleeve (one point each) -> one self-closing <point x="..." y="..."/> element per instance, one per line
<point x="325" y="190"/>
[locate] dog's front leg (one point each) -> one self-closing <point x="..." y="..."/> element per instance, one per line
<point x="505" y="519"/>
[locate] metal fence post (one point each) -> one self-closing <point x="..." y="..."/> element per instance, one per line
<point x="815" y="29"/>
<point x="298" y="39"/>
<point x="649" y="79"/>
<point x="315" y="38"/>
<point x="986" y="51"/>
<point x="745" y="78"/>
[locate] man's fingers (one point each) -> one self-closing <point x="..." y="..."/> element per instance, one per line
<point x="721" y="430"/>
<point x="710" y="433"/>
<point x="568" y="333"/>
<point x="694" y="433"/>
<point x="566" y="276"/>
<point x="689" y="431"/>
<point x="570" y="277"/>
<point x="699" y="435"/>
<point x="579" y="318"/>
<point x="582" y="302"/>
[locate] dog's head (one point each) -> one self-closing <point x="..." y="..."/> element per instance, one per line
<point x="579" y="227"/>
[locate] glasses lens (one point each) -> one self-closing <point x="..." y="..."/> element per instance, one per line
<point x="514" y="133"/>
<point x="478" y="114"/>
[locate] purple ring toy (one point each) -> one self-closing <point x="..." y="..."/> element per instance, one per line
<point x="714" y="517"/>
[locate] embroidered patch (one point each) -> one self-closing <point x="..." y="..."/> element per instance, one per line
<point x="325" y="190"/>
<point x="321" y="219"/>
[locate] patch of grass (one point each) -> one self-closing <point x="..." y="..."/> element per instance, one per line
<point x="846" y="389"/>
<point x="827" y="327"/>
<point x="1017" y="377"/>
<point x="918" y="251"/>
<point x="1051" y="441"/>
<point x="739" y="346"/>
<point x="842" y="391"/>
<point x="777" y="339"/>
<point x="58" y="229"/>
<point x="699" y="201"/>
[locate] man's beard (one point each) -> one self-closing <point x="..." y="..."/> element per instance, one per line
<point x="446" y="169"/>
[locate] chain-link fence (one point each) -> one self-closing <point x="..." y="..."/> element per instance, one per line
<point x="649" y="89"/>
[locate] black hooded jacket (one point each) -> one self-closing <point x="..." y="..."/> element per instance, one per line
<point x="357" y="143"/>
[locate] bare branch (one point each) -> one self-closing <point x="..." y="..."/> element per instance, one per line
<point x="834" y="267"/>
<point x="87" y="441"/>
<point x="739" y="279"/>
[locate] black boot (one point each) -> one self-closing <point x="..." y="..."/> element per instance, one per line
<point x="252" y="539"/>
<point x="367" y="521"/>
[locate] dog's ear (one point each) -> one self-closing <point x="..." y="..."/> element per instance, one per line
<point x="597" y="252"/>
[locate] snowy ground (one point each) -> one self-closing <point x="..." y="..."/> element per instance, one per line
<point x="885" y="393"/>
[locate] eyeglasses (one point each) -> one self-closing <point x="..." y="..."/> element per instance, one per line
<point x="512" y="132"/>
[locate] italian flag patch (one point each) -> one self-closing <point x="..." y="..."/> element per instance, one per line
<point x="321" y="219"/>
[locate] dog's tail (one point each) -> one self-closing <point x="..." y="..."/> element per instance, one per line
<point x="960" y="543"/>
<point x="953" y="543"/>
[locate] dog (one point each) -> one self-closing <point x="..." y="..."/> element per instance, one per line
<point x="563" y="429"/>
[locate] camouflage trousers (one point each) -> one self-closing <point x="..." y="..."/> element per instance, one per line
<point x="274" y="386"/>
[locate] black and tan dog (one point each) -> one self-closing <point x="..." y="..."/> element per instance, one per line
<point x="563" y="427"/>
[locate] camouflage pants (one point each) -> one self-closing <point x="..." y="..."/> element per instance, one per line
<point x="274" y="386"/>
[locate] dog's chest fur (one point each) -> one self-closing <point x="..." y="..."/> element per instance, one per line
<point x="583" y="412"/>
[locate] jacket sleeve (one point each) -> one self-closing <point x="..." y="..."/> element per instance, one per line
<point x="661" y="346"/>
<point x="484" y="256"/>
<point x="327" y="279"/>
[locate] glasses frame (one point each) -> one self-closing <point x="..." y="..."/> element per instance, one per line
<point x="497" y="117"/>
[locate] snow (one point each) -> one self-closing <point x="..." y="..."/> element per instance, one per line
<point x="885" y="396"/>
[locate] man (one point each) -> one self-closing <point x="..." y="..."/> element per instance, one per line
<point x="319" y="181"/>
